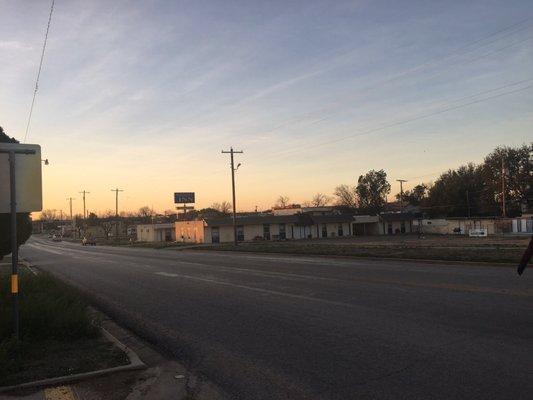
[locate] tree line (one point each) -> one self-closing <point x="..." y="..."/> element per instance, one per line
<point x="469" y="190"/>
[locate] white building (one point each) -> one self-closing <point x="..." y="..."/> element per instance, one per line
<point x="156" y="233"/>
<point x="275" y="227"/>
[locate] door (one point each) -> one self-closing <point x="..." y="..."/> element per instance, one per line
<point x="215" y="235"/>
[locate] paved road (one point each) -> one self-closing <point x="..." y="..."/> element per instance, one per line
<point x="282" y="327"/>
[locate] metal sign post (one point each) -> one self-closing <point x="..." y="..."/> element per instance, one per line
<point x="14" y="240"/>
<point x="183" y="198"/>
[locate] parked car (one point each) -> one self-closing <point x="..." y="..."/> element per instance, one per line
<point x="88" y="241"/>
<point x="56" y="238"/>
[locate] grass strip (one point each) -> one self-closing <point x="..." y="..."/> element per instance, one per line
<point x="58" y="336"/>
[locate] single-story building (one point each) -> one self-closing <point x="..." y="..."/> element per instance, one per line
<point x="462" y="226"/>
<point x="275" y="227"/>
<point x="393" y="223"/>
<point x="522" y="224"/>
<point x="156" y="232"/>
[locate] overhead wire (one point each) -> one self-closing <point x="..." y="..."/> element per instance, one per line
<point x="39" y="70"/>
<point x="447" y="107"/>
<point x="511" y="29"/>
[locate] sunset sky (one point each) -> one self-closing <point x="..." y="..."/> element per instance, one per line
<point x="144" y="95"/>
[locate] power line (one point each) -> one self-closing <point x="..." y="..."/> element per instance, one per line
<point x="432" y="62"/>
<point x="446" y="108"/>
<point x="39" y="70"/>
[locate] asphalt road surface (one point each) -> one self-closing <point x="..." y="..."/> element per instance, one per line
<point x="288" y="327"/>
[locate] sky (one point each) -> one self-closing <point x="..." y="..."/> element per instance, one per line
<point x="144" y="95"/>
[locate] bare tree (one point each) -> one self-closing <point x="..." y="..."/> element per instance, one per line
<point x="107" y="226"/>
<point x="346" y="195"/>
<point x="145" y="212"/>
<point x="107" y="214"/>
<point x="282" y="201"/>
<point x="224" y="207"/>
<point x="320" y="200"/>
<point x="48" y="215"/>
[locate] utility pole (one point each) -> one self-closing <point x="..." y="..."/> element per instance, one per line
<point x="70" y="202"/>
<point x="401" y="192"/>
<point x="468" y="202"/>
<point x="504" y="213"/>
<point x="116" y="209"/>
<point x="233" y="169"/>
<point x="84" y="193"/>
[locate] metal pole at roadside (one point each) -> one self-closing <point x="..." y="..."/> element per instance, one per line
<point x="14" y="238"/>
<point x="14" y="245"/>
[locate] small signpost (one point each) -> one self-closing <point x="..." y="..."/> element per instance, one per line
<point x="20" y="170"/>
<point x="183" y="198"/>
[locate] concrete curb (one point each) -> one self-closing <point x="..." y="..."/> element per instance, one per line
<point x="135" y="364"/>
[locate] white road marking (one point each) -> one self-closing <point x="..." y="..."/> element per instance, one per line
<point x="166" y="274"/>
<point x="260" y="290"/>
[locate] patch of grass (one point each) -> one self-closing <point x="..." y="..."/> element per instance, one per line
<point x="417" y="250"/>
<point x="58" y="337"/>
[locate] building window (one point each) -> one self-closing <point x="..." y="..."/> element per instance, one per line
<point x="215" y="234"/>
<point x="340" y="231"/>
<point x="240" y="233"/>
<point x="266" y="231"/>
<point x="282" y="232"/>
<point x="324" y="230"/>
<point x="402" y="227"/>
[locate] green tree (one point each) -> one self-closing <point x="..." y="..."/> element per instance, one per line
<point x="458" y="193"/>
<point x="24" y="226"/>
<point x="372" y="189"/>
<point x="415" y="196"/>
<point x="517" y="169"/>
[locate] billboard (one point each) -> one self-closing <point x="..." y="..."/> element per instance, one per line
<point x="28" y="181"/>
<point x="183" y="197"/>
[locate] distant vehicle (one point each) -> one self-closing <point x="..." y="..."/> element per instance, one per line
<point x="56" y="238"/>
<point x="88" y="242"/>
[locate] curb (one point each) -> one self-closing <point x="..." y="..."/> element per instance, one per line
<point x="135" y="364"/>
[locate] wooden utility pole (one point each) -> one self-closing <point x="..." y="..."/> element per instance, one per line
<point x="116" y="209"/>
<point x="504" y="213"/>
<point x="70" y="203"/>
<point x="468" y="203"/>
<point x="84" y="192"/>
<point x="401" y="192"/>
<point x="233" y="169"/>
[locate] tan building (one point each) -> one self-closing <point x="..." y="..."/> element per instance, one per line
<point x="156" y="233"/>
<point x="275" y="227"/>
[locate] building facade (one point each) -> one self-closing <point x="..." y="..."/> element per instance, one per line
<point x="275" y="227"/>
<point x="156" y="233"/>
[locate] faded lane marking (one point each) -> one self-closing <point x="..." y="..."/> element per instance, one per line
<point x="166" y="274"/>
<point x="256" y="289"/>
